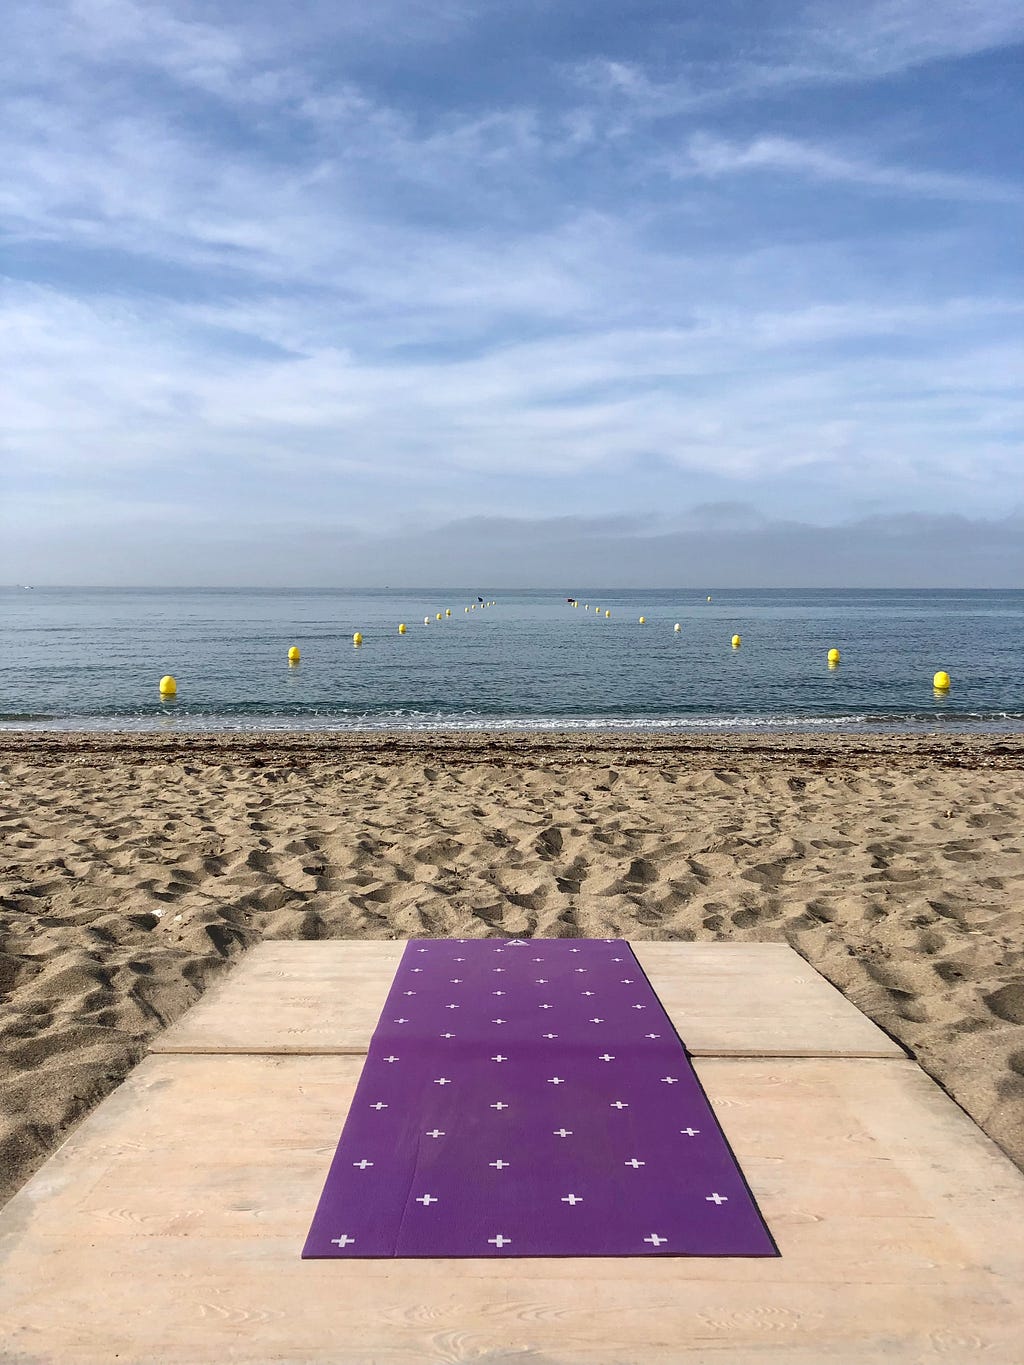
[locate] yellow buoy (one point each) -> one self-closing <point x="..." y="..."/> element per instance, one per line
<point x="401" y="629"/>
<point x="168" y="686"/>
<point x="709" y="597"/>
<point x="677" y="627"/>
<point x="447" y="611"/>
<point x="465" y="609"/>
<point x="737" y="640"/>
<point x="293" y="655"/>
<point x="940" y="682"/>
<point x="643" y="620"/>
<point x="833" y="656"/>
<point x="607" y="614"/>
<point x="357" y="638"/>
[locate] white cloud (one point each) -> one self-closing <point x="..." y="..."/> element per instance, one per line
<point x="714" y="156"/>
<point x="473" y="302"/>
<point x="820" y="43"/>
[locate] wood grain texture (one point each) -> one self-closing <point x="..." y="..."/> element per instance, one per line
<point x="725" y="999"/>
<point x="168" y="1229"/>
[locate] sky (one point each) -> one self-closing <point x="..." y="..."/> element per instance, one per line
<point x="516" y="292"/>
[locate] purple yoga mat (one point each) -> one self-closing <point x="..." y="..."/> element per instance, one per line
<point x="530" y="1098"/>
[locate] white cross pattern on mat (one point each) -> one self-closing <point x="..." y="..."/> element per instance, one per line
<point x="499" y="1241"/>
<point x="343" y="1241"/>
<point x="598" y="1020"/>
<point x="379" y="1105"/>
<point x="362" y="1165"/>
<point x="499" y="1058"/>
<point x="618" y="1104"/>
<point x="498" y="1165"/>
<point x="562" y="1132"/>
<point x="655" y="1240"/>
<point x="556" y="1080"/>
<point x="499" y="1021"/>
<point x="499" y="1105"/>
<point x="426" y="1199"/>
<point x="634" y="1163"/>
<point x="549" y="1035"/>
<point x="716" y="1199"/>
<point x="690" y="1132"/>
<point x="670" y="1080"/>
<point x="606" y="1057"/>
<point x="435" y="1132"/>
<point x="442" y="1080"/>
<point x="572" y="1199"/>
<point x="391" y="1059"/>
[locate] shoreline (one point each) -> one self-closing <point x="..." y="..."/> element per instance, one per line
<point x="137" y="868"/>
<point x="1000" y="750"/>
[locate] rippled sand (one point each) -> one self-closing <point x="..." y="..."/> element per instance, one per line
<point x="135" y="869"/>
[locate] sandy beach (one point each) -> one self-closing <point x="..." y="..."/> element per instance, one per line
<point x="136" y="869"/>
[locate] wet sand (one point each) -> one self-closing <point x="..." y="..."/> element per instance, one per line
<point x="135" y="869"/>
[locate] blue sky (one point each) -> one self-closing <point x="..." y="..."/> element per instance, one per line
<point x="360" y="293"/>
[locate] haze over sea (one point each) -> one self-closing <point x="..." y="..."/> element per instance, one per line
<point x="91" y="659"/>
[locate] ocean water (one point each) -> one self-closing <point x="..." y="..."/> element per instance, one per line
<point x="91" y="659"/>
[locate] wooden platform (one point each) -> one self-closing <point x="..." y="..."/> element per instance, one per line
<point x="725" y="1000"/>
<point x="168" y="1229"/>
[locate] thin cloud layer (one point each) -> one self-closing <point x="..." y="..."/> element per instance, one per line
<point x="392" y="267"/>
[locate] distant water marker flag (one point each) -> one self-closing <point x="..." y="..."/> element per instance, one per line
<point x="530" y="1098"/>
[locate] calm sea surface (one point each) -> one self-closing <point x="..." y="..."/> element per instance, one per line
<point x="92" y="659"/>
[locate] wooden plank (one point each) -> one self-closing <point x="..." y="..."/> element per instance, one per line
<point x="757" y="1000"/>
<point x="292" y="997"/>
<point x="725" y="999"/>
<point x="168" y="1229"/>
